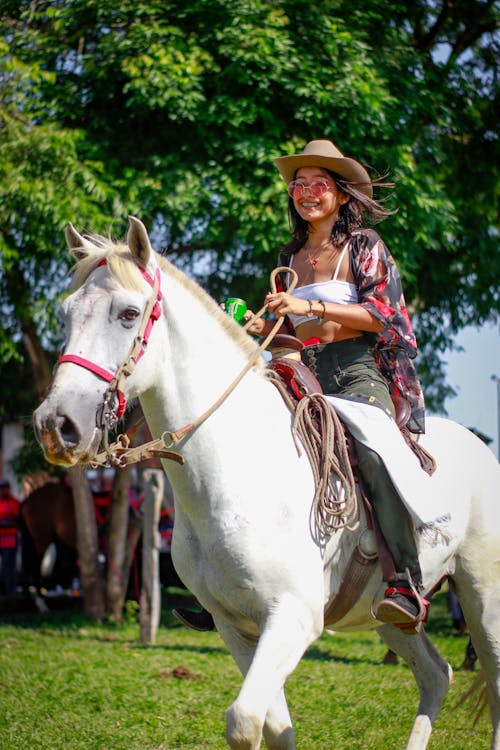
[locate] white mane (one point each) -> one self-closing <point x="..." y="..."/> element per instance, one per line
<point x="123" y="267"/>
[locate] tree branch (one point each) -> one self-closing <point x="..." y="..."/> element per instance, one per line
<point x="474" y="32"/>
<point x="427" y="40"/>
<point x="475" y="21"/>
<point x="17" y="292"/>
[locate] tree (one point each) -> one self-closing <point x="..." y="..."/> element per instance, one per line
<point x="173" y="110"/>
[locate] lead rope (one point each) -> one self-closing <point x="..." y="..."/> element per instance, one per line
<point x="322" y="436"/>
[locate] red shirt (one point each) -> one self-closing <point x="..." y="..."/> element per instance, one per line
<point x="9" y="519"/>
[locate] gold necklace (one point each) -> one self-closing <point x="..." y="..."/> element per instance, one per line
<point x="313" y="260"/>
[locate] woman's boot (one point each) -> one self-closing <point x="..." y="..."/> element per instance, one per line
<point x="402" y="604"/>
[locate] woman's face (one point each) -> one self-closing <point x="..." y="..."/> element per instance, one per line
<point x="314" y="205"/>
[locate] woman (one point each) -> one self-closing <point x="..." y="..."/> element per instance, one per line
<point x="349" y="311"/>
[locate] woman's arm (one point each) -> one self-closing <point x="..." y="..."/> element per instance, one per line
<point x="354" y="316"/>
<point x="380" y="291"/>
<point x="261" y="327"/>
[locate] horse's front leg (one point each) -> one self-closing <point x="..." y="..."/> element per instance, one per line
<point x="260" y="707"/>
<point x="278" y="731"/>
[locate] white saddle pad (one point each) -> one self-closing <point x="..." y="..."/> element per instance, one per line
<point x="419" y="491"/>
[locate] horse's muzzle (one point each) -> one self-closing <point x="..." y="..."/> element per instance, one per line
<point x="61" y="440"/>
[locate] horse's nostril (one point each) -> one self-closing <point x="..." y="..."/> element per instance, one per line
<point x="68" y="432"/>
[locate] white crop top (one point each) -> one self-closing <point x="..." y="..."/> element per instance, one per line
<point x="341" y="292"/>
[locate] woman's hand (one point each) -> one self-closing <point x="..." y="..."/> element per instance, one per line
<point x="281" y="303"/>
<point x="257" y="327"/>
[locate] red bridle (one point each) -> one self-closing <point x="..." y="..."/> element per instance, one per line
<point x="151" y="314"/>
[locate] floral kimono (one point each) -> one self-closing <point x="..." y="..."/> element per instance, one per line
<point x="380" y="292"/>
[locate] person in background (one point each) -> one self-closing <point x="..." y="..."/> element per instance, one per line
<point x="9" y="526"/>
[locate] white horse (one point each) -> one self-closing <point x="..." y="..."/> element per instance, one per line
<point x="243" y="542"/>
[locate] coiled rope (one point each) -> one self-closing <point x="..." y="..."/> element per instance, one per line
<point x="319" y="431"/>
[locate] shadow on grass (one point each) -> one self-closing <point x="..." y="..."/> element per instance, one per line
<point x="72" y="623"/>
<point x="67" y="618"/>
<point x="180" y="648"/>
<point x="316" y="653"/>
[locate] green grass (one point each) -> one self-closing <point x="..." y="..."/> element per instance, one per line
<point x="67" y="684"/>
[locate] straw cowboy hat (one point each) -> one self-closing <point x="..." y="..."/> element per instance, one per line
<point x="323" y="153"/>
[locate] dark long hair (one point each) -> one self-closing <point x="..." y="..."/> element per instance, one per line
<point x="355" y="213"/>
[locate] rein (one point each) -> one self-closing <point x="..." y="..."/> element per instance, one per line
<point x="120" y="453"/>
<point x="183" y="431"/>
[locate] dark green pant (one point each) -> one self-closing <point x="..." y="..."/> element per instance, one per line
<point x="392" y="516"/>
<point x="348" y="368"/>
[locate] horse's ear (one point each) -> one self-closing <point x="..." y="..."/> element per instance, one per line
<point x="138" y="241"/>
<point x="76" y="242"/>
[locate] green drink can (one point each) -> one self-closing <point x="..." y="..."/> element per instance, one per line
<point x="236" y="308"/>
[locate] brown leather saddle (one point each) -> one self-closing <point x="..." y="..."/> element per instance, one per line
<point x="295" y="380"/>
<point x="299" y="381"/>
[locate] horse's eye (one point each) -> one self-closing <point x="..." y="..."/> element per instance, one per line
<point x="129" y="314"/>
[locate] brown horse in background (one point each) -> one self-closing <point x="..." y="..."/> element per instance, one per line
<point x="49" y="514"/>
<point x="48" y="517"/>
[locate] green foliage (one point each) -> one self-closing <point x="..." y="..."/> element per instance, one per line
<point x="29" y="460"/>
<point x="43" y="181"/>
<point x="131" y="611"/>
<point x="174" y="111"/>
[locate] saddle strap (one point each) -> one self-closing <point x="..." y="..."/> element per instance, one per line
<point x="358" y="573"/>
<point x="427" y="461"/>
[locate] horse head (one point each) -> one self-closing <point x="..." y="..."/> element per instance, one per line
<point x="109" y="316"/>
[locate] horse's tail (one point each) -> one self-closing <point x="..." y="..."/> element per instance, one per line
<point x="477" y="696"/>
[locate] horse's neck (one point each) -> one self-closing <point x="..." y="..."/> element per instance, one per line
<point x="196" y="362"/>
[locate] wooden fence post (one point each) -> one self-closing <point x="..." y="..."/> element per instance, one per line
<point x="117" y="576"/>
<point x="150" y="591"/>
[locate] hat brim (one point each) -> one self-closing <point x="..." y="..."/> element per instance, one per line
<point x="349" y="169"/>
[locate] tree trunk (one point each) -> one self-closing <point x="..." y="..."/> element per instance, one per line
<point x="86" y="532"/>
<point x="42" y="372"/>
<point x="19" y="294"/>
<point x="150" y="591"/>
<point x="117" y="580"/>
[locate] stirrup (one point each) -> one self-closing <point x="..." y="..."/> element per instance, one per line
<point x="413" y="624"/>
